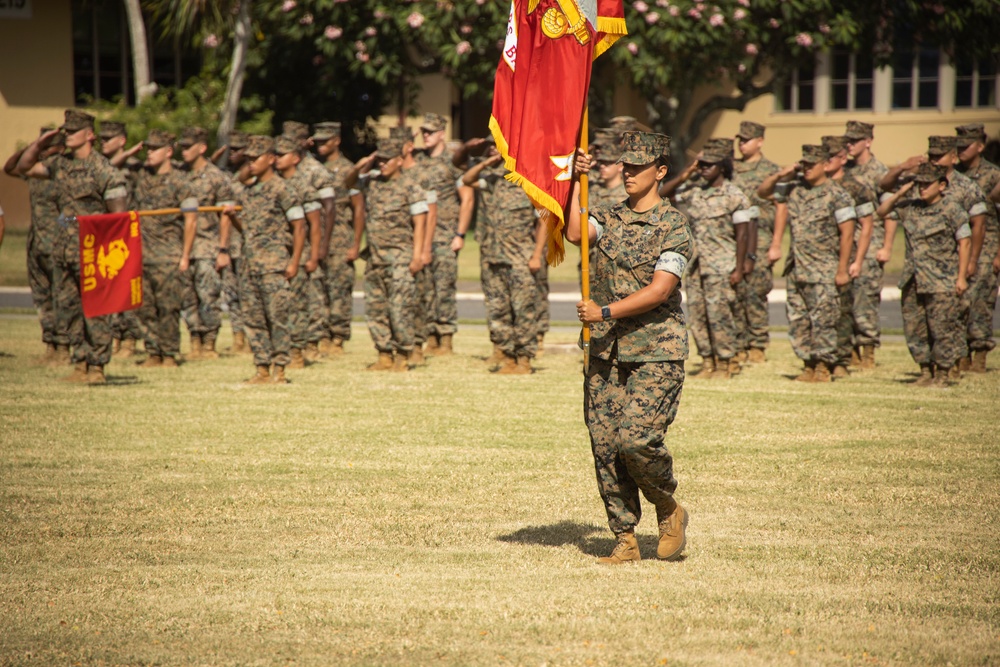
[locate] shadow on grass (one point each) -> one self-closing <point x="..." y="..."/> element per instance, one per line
<point x="121" y="380"/>
<point x="6" y="355"/>
<point x="589" y="539"/>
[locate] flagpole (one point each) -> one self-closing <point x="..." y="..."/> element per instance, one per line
<point x="585" y="236"/>
<point x="175" y="211"/>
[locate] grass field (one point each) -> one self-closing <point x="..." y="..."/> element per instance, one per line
<point x="449" y="516"/>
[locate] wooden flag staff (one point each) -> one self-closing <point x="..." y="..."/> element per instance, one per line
<point x="585" y="239"/>
<point x="175" y="211"/>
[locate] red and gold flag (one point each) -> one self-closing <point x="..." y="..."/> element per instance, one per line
<point x="540" y="93"/>
<point x="110" y="263"/>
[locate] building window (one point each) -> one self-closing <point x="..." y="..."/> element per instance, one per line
<point x="798" y="91"/>
<point x="915" y="79"/>
<point x="851" y="81"/>
<point x="976" y="85"/>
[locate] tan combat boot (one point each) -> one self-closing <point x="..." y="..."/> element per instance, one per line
<point x="808" y="372"/>
<point x="736" y="367"/>
<point x="867" y="357"/>
<point x="417" y="355"/>
<point x="941" y="376"/>
<point x="311" y="353"/>
<point x="433" y="345"/>
<point x="278" y="375"/>
<point x="239" y="343"/>
<point x="208" y="349"/>
<point x="263" y="376"/>
<point x="444" y="346"/>
<point x="625" y="551"/>
<point x="855" y="357"/>
<point x="541" y="345"/>
<point x="822" y="372"/>
<point x="757" y="356"/>
<point x="955" y="375"/>
<point x="196" y="349"/>
<point x="152" y="361"/>
<point x="79" y="373"/>
<point x="61" y="357"/>
<point x="840" y="372"/>
<point x="324" y="347"/>
<point x="742" y="356"/>
<point x="978" y="364"/>
<point x="48" y="357"/>
<point x="170" y="362"/>
<point x="707" y="368"/>
<point x="402" y="362"/>
<point x="336" y="347"/>
<point x="126" y="349"/>
<point x="95" y="375"/>
<point x="926" y="378"/>
<point x="298" y="361"/>
<point x="672" y="520"/>
<point x="522" y="366"/>
<point x="116" y="344"/>
<point x="494" y="360"/>
<point x="384" y="362"/>
<point x="723" y="369"/>
<point x="507" y="366"/>
<point x="965" y="363"/>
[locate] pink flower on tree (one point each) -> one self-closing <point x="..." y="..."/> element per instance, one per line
<point x="307" y="19"/>
<point x="741" y="68"/>
<point x="370" y="31"/>
<point x="211" y="41"/>
<point x="288" y="5"/>
<point x="739" y="15"/>
<point x="674" y="10"/>
<point x="632" y="48"/>
<point x="824" y="28"/>
<point x="652" y="17"/>
<point x="774" y="23"/>
<point x="662" y="3"/>
<point x="745" y="3"/>
<point x="804" y="39"/>
<point x="640" y="6"/>
<point x="379" y="14"/>
<point x="333" y="32"/>
<point x="360" y="46"/>
<point x="752" y="49"/>
<point x="463" y="47"/>
<point x="694" y="13"/>
<point x="362" y="56"/>
<point x="416" y="19"/>
<point x="717" y="20"/>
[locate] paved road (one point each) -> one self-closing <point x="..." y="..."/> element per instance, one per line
<point x="470" y="305"/>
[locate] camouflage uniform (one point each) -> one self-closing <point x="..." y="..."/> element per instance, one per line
<point x="230" y="275"/>
<point x="506" y="235"/>
<point x="713" y="214"/>
<point x="308" y="323"/>
<point x="162" y="245"/>
<point x="270" y="210"/>
<point x="982" y="295"/>
<point x="636" y="371"/>
<point x="86" y="185"/>
<point x="42" y="237"/>
<point x="202" y="311"/>
<point x="932" y="318"/>
<point x="439" y="176"/>
<point x="752" y="313"/>
<point x="339" y="272"/>
<point x="390" y="289"/>
<point x="814" y="303"/>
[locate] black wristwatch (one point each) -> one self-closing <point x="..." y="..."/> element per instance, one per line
<point x="223" y="251"/>
<point x="606" y="313"/>
<point x="752" y="257"/>
<point x="460" y="235"/>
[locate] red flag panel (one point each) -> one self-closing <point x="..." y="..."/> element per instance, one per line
<point x="110" y="263"/>
<point x="540" y="93"/>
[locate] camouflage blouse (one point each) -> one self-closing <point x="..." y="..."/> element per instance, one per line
<point x="815" y="214"/>
<point x="269" y="209"/>
<point x="390" y="204"/>
<point x="506" y="230"/>
<point x="440" y="175"/>
<point x="162" y="235"/>
<point x="713" y="214"/>
<point x="207" y="187"/>
<point x="932" y="233"/>
<point x="748" y="176"/>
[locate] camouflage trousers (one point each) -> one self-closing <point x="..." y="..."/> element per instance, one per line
<point x="752" y="316"/>
<point x="390" y="290"/>
<point x="308" y="324"/>
<point x="813" y="311"/>
<point x="628" y="408"/>
<point x="202" y="308"/>
<point x="423" y="305"/>
<point x="89" y="336"/>
<point x="267" y="301"/>
<point x="845" y="324"/>
<point x="340" y="300"/>
<point x="712" y="315"/>
<point x="126" y="325"/>
<point x="444" y="271"/>
<point x="41" y="280"/>
<point x="544" y="314"/>
<point x="511" y="297"/>
<point x="982" y="301"/>
<point x="231" y="293"/>
<point x="932" y="323"/>
<point x="160" y="312"/>
<point x="867" y="296"/>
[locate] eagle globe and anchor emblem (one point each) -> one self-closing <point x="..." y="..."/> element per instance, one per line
<point x="110" y="263"/>
<point x="569" y="18"/>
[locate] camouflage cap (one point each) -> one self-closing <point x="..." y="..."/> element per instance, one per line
<point x="858" y="130"/>
<point x="607" y="145"/>
<point x="716" y="150"/>
<point x="404" y="134"/>
<point x="811" y="153"/>
<point x="834" y="143"/>
<point x="929" y="172"/>
<point x="193" y="135"/>
<point x="258" y="144"/>
<point x="627" y="124"/>
<point x="970" y="134"/>
<point x="159" y="139"/>
<point x="390" y="147"/>
<point x="77" y="120"/>
<point x="295" y="130"/>
<point x="326" y="130"/>
<point x="941" y="144"/>
<point x="644" y="147"/>
<point x="111" y="128"/>
<point x="238" y="140"/>
<point x="434" y="122"/>
<point x="284" y="144"/>
<point x="750" y="130"/>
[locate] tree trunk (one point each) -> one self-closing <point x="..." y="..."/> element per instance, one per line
<point x="140" y="50"/>
<point x="237" y="71"/>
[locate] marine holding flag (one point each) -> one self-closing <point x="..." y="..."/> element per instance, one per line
<point x="90" y="186"/>
<point x="540" y="94"/>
